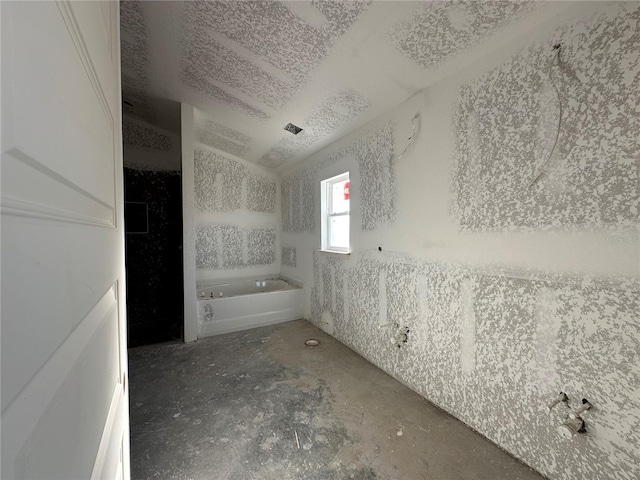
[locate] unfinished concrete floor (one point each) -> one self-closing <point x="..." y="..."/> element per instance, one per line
<point x="259" y="404"/>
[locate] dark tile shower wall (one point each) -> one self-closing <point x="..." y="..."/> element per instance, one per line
<point x="154" y="259"/>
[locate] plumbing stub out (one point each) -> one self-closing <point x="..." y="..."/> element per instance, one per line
<point x="573" y="423"/>
<point x="400" y="335"/>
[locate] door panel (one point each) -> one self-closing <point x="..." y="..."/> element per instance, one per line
<point x="70" y="394"/>
<point x="58" y="96"/>
<point x="62" y="124"/>
<point x="63" y="331"/>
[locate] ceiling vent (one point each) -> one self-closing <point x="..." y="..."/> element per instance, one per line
<point x="290" y="127"/>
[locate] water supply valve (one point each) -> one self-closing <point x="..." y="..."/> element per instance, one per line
<point x="574" y="423"/>
<point x="571" y="427"/>
<point x="400" y="336"/>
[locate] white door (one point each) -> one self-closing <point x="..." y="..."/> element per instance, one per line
<point x="64" y="365"/>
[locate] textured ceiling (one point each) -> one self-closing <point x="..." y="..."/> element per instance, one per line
<point x="251" y="67"/>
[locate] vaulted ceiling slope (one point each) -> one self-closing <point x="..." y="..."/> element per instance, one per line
<point x="252" y="67"/>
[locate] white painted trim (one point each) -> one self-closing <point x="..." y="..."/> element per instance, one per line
<point x="22" y="208"/>
<point x="108" y="433"/>
<point x="334" y="253"/>
<point x="188" y="226"/>
<point x="66" y="11"/>
<point x="33" y="173"/>
<point x="24" y="412"/>
<point x="325" y="215"/>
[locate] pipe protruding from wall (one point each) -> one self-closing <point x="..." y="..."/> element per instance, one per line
<point x="585" y="406"/>
<point x="562" y="397"/>
<point x="400" y="336"/>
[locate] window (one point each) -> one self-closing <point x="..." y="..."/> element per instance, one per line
<point x="335" y="213"/>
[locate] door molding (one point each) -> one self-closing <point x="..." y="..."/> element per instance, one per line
<point x="26" y="412"/>
<point x="73" y="203"/>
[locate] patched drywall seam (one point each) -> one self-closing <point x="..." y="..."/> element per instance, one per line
<point x="216" y="70"/>
<point x="216" y="141"/>
<point x="218" y="185"/>
<point x="206" y="125"/>
<point x="506" y="122"/>
<point x="222" y="137"/>
<point x="206" y="60"/>
<point x="276" y="31"/>
<point x="261" y="246"/>
<point x="134" y="60"/>
<point x="376" y="160"/>
<point x="468" y="330"/>
<point x="289" y="256"/>
<point x="195" y="80"/>
<point x="493" y="345"/>
<point x="225" y="246"/>
<point x="546" y="340"/>
<point x="247" y="239"/>
<point x="594" y="349"/>
<point x="323" y="120"/>
<point x="138" y="136"/>
<point x="374" y="152"/>
<point x="441" y="30"/>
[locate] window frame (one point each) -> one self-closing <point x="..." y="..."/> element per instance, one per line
<point x="326" y="200"/>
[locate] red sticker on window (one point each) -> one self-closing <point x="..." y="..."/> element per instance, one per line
<point x="346" y="191"/>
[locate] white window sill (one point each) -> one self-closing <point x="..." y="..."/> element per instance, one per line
<point x="334" y="253"/>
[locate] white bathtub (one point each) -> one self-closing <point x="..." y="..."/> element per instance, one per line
<point x="246" y="303"/>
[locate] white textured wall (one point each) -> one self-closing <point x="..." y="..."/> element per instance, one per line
<point x="231" y="217"/>
<point x="147" y="147"/>
<point x="237" y="217"/>
<point x="512" y="292"/>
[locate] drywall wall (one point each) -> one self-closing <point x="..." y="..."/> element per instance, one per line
<point x="288" y="256"/>
<point x="232" y="207"/>
<point x="589" y="87"/>
<point x="371" y="154"/>
<point x="147" y="147"/>
<point x="231" y="211"/>
<point x="237" y="222"/>
<point x="222" y="137"/>
<point x="516" y="272"/>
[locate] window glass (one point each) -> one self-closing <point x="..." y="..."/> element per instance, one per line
<point x="340" y="197"/>
<point x="335" y="199"/>
<point x="339" y="231"/>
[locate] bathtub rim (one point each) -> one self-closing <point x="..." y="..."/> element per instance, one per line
<point x="292" y="284"/>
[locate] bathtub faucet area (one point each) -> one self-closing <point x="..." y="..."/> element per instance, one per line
<point x="241" y="304"/>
